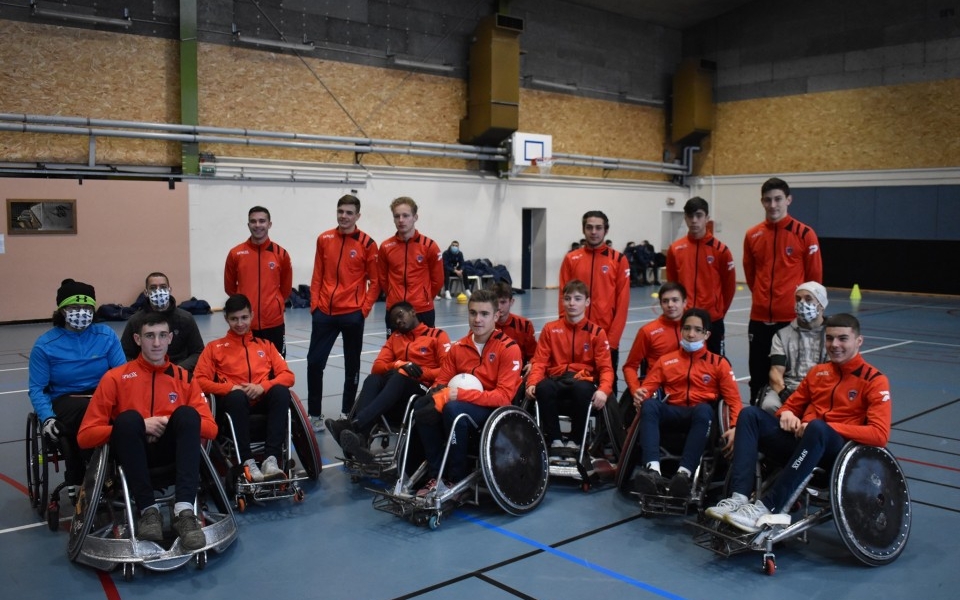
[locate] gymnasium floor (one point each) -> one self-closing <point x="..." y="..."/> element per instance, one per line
<point x="575" y="545"/>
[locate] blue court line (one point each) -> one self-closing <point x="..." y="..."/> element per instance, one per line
<point x="569" y="557"/>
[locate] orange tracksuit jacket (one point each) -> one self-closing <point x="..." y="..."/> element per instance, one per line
<point x="424" y="346"/>
<point x="607" y="274"/>
<point x="264" y="275"/>
<point x="777" y="257"/>
<point x="521" y="331"/>
<point x="498" y="370"/>
<point x="411" y="270"/>
<point x="151" y="390"/>
<point x="342" y="266"/>
<point x="853" y="398"/>
<point x="234" y="360"/>
<point x="706" y="269"/>
<point x="653" y="340"/>
<point x="693" y="378"/>
<point x="566" y="347"/>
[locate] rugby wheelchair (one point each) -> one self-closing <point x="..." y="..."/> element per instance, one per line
<point x="865" y="493"/>
<point x="41" y="454"/>
<point x="103" y="531"/>
<point x="706" y="482"/>
<point x="511" y="468"/>
<point x="387" y="443"/>
<point x="300" y="437"/>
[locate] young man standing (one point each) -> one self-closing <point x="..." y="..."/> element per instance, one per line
<point x="705" y="267"/>
<point x="260" y="270"/>
<point x="411" y="264"/>
<point x="778" y="255"/>
<point x="143" y="431"/>
<point x="248" y="375"/>
<point x="606" y="272"/>
<point x="344" y="287"/>
<point x="186" y="345"/>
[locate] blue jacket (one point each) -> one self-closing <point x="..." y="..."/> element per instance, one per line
<point x="64" y="361"/>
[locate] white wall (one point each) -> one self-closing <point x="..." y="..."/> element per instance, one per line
<point x="482" y="212"/>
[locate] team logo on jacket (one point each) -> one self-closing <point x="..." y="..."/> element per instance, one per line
<point x="272" y="265"/>
<point x="709" y="260"/>
<point x="173" y="397"/>
<point x="852" y="395"/>
<point x="353" y="254"/>
<point x="261" y="354"/>
<point x="604" y="269"/>
<point x="130" y="375"/>
<point x="492" y="356"/>
<point x="423" y="349"/>
<point x="706" y="378"/>
<point x="419" y="258"/>
<point x="789" y="250"/>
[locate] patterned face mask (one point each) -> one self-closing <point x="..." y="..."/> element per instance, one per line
<point x="806" y="311"/>
<point x="79" y="318"/>
<point x="160" y="297"/>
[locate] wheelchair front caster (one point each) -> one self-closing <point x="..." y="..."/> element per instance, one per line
<point x="769" y="564"/>
<point x="241" y="503"/>
<point x="128" y="571"/>
<point x="53" y="516"/>
<point x="201" y="560"/>
<point x="433" y="522"/>
<point x="298" y="496"/>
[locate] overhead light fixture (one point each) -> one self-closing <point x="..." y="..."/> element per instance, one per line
<point x="92" y="19"/>
<point x="303" y="46"/>
<point x="426" y="66"/>
<point x="551" y="85"/>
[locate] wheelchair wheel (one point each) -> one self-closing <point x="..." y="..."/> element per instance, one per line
<point x="88" y="501"/>
<point x="37" y="468"/>
<point x="304" y="440"/>
<point x="629" y="455"/>
<point x="513" y="460"/>
<point x="871" y="503"/>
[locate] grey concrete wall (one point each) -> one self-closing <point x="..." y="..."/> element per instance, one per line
<point x="767" y="49"/>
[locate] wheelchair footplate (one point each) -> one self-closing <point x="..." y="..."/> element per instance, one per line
<point x="427" y="510"/>
<point x="662" y="504"/>
<point x="265" y="491"/>
<point x="377" y="469"/>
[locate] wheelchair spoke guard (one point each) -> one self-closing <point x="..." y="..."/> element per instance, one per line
<point x="304" y="440"/>
<point x="513" y="460"/>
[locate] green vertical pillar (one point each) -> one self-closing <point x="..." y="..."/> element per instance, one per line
<point x="189" y="103"/>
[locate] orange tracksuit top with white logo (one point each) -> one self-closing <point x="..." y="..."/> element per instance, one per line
<point x="706" y="269"/>
<point x="342" y="266"/>
<point x="693" y="378"/>
<point x="581" y="348"/>
<point x="264" y="275"/>
<point x="411" y="270"/>
<point x="235" y="360"/>
<point x="498" y="369"/>
<point x="424" y="346"/>
<point x="853" y="398"/>
<point x="653" y="340"/>
<point x="777" y="257"/>
<point x="607" y="275"/>
<point x="151" y="390"/>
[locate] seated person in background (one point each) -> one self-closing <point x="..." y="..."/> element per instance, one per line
<point x="796" y="347"/>
<point x="453" y="267"/>
<point x="186" y="345"/>
<point x="656" y="338"/>
<point x="409" y="360"/>
<point x="693" y="379"/>
<point x="842" y="400"/>
<point x="518" y="328"/>
<point x="493" y="358"/>
<point x="66" y="364"/>
<point x="570" y="369"/>
<point x="145" y="432"/>
<point x="248" y="375"/>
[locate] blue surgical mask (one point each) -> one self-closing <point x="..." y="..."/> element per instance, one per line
<point x="455" y="249"/>
<point x="691" y="346"/>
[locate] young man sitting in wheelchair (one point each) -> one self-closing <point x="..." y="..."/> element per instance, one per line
<point x="248" y="375"/>
<point x="842" y="400"/>
<point x="693" y="378"/>
<point x="153" y="413"/>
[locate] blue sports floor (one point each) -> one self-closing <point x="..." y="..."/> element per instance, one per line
<point x="576" y="545"/>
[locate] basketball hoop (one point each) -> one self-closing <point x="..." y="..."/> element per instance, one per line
<point x="544" y="164"/>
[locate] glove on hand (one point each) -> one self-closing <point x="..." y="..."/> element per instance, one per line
<point x="52" y="429"/>
<point x="425" y="411"/>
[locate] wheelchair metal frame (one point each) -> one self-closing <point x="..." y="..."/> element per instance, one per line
<point x="386" y="461"/>
<point x="40" y="454"/>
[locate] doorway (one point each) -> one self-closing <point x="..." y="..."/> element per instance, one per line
<point x="533" y="273"/>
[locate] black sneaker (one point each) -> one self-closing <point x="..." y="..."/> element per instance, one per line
<point x="150" y="525"/>
<point x="680" y="484"/>
<point x="336" y="428"/>
<point x="356" y="446"/>
<point x="647" y="482"/>
<point x="188" y="528"/>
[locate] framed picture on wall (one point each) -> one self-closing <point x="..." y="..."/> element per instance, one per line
<point x="27" y="217"/>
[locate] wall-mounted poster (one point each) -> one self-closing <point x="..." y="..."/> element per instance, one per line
<point x="41" y="216"/>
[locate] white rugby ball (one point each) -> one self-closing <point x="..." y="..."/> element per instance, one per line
<point x="466" y="381"/>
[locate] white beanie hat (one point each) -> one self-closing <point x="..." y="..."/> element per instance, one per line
<point x="819" y="292"/>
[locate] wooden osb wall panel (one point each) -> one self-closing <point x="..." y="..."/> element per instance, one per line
<point x="51" y="70"/>
<point x="240" y="87"/>
<point x="596" y="128"/>
<point x="897" y="127"/>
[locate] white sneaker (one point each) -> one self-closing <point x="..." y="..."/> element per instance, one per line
<point x="751" y="517"/>
<point x="446" y="294"/>
<point x="252" y="471"/>
<point x="726" y="506"/>
<point x="317" y="423"/>
<point x="270" y="469"/>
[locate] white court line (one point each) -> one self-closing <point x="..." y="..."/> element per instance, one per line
<point x="14" y="369"/>
<point x="30" y="526"/>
